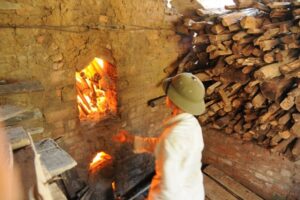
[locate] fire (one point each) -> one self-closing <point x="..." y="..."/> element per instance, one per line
<point x="100" y="159"/>
<point x="96" y="89"/>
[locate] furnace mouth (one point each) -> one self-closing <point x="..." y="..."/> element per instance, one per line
<point x="96" y="90"/>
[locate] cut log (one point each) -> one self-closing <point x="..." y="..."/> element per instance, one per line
<point x="234" y="27"/>
<point x="283" y="120"/>
<point x="239" y="35"/>
<point x="296" y="148"/>
<point x="282" y="146"/>
<point x="296" y="129"/>
<point x="219" y="38"/>
<point x="217" y="28"/>
<point x="297" y="102"/>
<point x="257" y="52"/>
<point x="186" y="58"/>
<point x="247" y="51"/>
<point x="287" y="68"/>
<point x="251" y="22"/>
<point x="21" y="87"/>
<point x="234" y="17"/>
<point x="271" y="110"/>
<point x="268" y="71"/>
<point x="258" y="101"/>
<point x="285" y="134"/>
<point x="275" y="140"/>
<point x="201" y="39"/>
<point x="287" y="103"/>
<point x="227" y="102"/>
<point x="212" y="88"/>
<point x="274" y="88"/>
<point x="203" y="76"/>
<point x="267" y="45"/>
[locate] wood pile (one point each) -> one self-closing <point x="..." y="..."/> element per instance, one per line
<point x="248" y="58"/>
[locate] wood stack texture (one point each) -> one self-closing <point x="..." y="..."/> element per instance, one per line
<point x="248" y="58"/>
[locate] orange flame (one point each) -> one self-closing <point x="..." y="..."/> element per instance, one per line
<point x="100" y="159"/>
<point x="95" y="84"/>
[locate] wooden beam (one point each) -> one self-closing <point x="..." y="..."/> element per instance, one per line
<point x="230" y="184"/>
<point x="214" y="191"/>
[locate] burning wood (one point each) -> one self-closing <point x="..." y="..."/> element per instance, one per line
<point x="100" y="160"/>
<point x="96" y="89"/>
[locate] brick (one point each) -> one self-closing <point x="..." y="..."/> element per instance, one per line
<point x="69" y="93"/>
<point x="72" y="124"/>
<point x="61" y="113"/>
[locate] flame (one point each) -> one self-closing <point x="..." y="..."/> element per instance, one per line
<point x="95" y="84"/>
<point x="100" y="159"/>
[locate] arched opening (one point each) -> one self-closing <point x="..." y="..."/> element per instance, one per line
<point x="96" y="90"/>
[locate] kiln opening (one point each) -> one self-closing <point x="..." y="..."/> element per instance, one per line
<point x="96" y="90"/>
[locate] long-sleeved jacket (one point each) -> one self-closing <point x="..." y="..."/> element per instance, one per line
<point x="178" y="153"/>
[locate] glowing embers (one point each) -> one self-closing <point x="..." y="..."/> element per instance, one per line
<point x="100" y="160"/>
<point x="96" y="90"/>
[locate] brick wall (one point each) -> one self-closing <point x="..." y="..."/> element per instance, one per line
<point x="270" y="175"/>
<point x="49" y="40"/>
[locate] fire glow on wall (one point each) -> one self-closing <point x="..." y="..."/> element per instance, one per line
<point x="96" y="90"/>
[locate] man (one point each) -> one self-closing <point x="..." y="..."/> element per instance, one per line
<point x="178" y="150"/>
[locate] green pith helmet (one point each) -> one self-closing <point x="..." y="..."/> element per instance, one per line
<point x="187" y="92"/>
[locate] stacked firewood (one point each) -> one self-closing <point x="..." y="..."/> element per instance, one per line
<point x="248" y="58"/>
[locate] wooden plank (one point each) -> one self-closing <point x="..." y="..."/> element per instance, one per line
<point x="21" y="87"/>
<point x="10" y="111"/>
<point x="214" y="191"/>
<point x="54" y="159"/>
<point x="231" y="184"/>
<point x="18" y="137"/>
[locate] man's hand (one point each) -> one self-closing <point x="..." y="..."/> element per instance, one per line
<point x="123" y="137"/>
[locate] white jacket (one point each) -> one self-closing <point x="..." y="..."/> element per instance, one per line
<point x="178" y="153"/>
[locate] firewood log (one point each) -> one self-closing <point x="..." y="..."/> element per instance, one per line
<point x="296" y="148"/>
<point x="285" y="134"/>
<point x="287" y="103"/>
<point x="295" y="129"/>
<point x="219" y="38"/>
<point x="258" y="101"/>
<point x="212" y="88"/>
<point x="271" y="110"/>
<point x="283" y="120"/>
<point x="274" y="5"/>
<point x="267" y="45"/>
<point x="251" y="22"/>
<point x="274" y="88"/>
<point x="275" y="140"/>
<point x="234" y="27"/>
<point x="201" y="39"/>
<point x="247" y="50"/>
<point x="257" y="52"/>
<point x="231" y="18"/>
<point x="297" y="103"/>
<point x="290" y="66"/>
<point x="227" y="102"/>
<point x="268" y="71"/>
<point x="218" y="28"/>
<point x="282" y="146"/>
<point x="239" y="35"/>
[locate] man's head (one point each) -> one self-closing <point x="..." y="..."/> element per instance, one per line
<point x="187" y="92"/>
